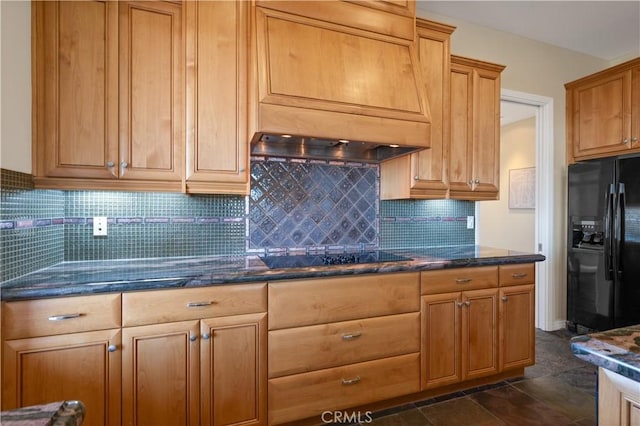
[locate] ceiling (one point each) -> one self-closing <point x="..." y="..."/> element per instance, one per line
<point x="604" y="29"/>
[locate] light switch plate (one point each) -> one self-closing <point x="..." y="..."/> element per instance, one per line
<point x="470" y="222"/>
<point x="100" y="226"/>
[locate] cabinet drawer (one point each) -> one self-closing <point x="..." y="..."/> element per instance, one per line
<point x="517" y="274"/>
<point x="45" y="317"/>
<point x="448" y="280"/>
<point x="323" y="300"/>
<point x="303" y="349"/>
<point x="151" y="307"/>
<point x="310" y="394"/>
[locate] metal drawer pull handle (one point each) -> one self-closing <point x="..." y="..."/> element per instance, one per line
<point x="463" y="280"/>
<point x="519" y="275"/>
<point x="64" y="317"/>
<point x="351" y="336"/>
<point x="199" y="304"/>
<point x="351" y="381"/>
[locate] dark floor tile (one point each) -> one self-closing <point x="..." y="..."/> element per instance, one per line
<point x="583" y="378"/>
<point x="519" y="409"/>
<point x="393" y="410"/>
<point x="561" y="396"/>
<point x="411" y="417"/>
<point x="460" y="412"/>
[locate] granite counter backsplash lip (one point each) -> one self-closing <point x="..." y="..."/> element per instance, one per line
<point x="93" y="277"/>
<point x="617" y="350"/>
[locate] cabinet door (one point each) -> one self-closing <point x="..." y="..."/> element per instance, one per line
<point x="83" y="366"/>
<point x="441" y="340"/>
<point x="486" y="133"/>
<point x="635" y="109"/>
<point x="601" y="115"/>
<point x="424" y="174"/>
<point x="479" y="333"/>
<point x="151" y="87"/>
<point x="517" y="326"/>
<point x="461" y="149"/>
<point x="75" y="88"/>
<point x="217" y="140"/>
<point x="160" y="365"/>
<point x="234" y="370"/>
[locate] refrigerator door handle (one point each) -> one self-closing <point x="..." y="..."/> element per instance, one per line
<point x="618" y="226"/>
<point x="608" y="241"/>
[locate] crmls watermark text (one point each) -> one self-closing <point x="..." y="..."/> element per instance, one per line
<point x="346" y="417"/>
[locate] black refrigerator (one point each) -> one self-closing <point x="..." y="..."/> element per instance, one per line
<point x="603" y="248"/>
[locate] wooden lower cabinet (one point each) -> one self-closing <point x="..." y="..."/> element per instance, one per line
<point x="310" y="394"/>
<point x="209" y="371"/>
<point x="517" y="326"/>
<point x="459" y="336"/>
<point x="618" y="399"/>
<point x="233" y="370"/>
<point x="83" y="366"/>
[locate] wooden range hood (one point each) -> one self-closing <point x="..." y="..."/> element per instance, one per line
<point x="330" y="71"/>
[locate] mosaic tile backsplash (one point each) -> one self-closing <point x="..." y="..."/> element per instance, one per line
<point x="293" y="205"/>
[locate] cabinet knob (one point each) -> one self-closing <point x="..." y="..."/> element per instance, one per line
<point x="112" y="348"/>
<point x="634" y="139"/>
<point x="416" y="177"/>
<point x="206" y="336"/>
<point x="459" y="304"/>
<point x="193" y="338"/>
<point x="468" y="303"/>
<point x="110" y="164"/>
<point x="477" y="181"/>
<point x="124" y="164"/>
<point x="625" y="141"/>
<point x="504" y="298"/>
<point x="471" y="182"/>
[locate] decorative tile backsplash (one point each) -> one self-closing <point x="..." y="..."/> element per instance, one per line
<point x="31" y="229"/>
<point x="312" y="205"/>
<point x="294" y="205"/>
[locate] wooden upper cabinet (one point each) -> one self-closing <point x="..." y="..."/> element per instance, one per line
<point x="75" y="89"/>
<point x="217" y="73"/>
<point x="474" y="159"/>
<point x="424" y="174"/>
<point x="151" y="113"/>
<point x="108" y="95"/>
<point x="321" y="77"/>
<point x="603" y="113"/>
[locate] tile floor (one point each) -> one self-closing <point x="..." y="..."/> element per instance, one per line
<point x="559" y="390"/>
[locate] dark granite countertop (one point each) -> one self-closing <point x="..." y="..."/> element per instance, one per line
<point x="617" y="350"/>
<point x="61" y="413"/>
<point x="89" y="277"/>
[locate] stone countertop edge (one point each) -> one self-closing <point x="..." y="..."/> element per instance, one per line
<point x="61" y="413"/>
<point x="113" y="276"/>
<point x="617" y="350"/>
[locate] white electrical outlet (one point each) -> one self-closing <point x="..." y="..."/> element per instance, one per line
<point x="470" y="222"/>
<point x="100" y="226"/>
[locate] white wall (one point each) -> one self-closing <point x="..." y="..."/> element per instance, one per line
<point x="15" y="85"/>
<point x="498" y="225"/>
<point x="540" y="69"/>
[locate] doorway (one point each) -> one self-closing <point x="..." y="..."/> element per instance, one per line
<point x="547" y="298"/>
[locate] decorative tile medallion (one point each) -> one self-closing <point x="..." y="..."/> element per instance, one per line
<point x="298" y="204"/>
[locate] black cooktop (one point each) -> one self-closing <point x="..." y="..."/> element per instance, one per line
<point x="305" y="261"/>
